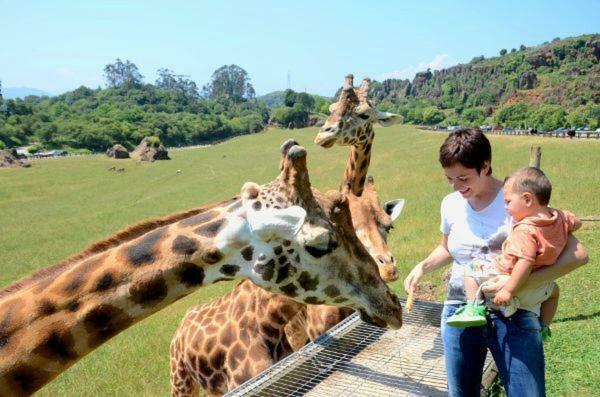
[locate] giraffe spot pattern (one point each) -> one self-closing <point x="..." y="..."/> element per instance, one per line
<point x="307" y="282"/>
<point x="247" y="253"/>
<point x="25" y="379"/>
<point x="190" y="274"/>
<point x="211" y="229"/>
<point x="332" y="291"/>
<point x="289" y="290"/>
<point x="283" y="273"/>
<point x="199" y="219"/>
<point x="229" y="270"/>
<point x="81" y="273"/>
<point x="257" y="205"/>
<point x="104" y="322"/>
<point x="211" y="256"/>
<point x="184" y="245"/>
<point x="47" y="308"/>
<point x="313" y="300"/>
<point x="142" y="252"/>
<point x="104" y="282"/>
<point x="58" y="347"/>
<point x="150" y="292"/>
<point x="266" y="270"/>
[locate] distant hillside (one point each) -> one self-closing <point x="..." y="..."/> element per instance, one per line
<point x="22" y="92"/>
<point x="272" y="99"/>
<point x="563" y="73"/>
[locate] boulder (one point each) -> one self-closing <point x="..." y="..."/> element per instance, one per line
<point x="315" y="121"/>
<point x="150" y="151"/>
<point x="9" y="158"/>
<point x="118" y="152"/>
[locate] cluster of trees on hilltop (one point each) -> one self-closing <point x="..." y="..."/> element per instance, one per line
<point x="548" y="86"/>
<point x="172" y="109"/>
<point x="295" y="108"/>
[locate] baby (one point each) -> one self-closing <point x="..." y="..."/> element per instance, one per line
<point x="538" y="236"/>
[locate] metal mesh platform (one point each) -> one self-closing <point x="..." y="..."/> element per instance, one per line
<point x="359" y="359"/>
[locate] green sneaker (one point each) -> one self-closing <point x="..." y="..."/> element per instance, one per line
<point x="546" y="333"/>
<point x="469" y="315"/>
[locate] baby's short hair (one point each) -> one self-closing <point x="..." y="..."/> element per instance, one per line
<point x="532" y="180"/>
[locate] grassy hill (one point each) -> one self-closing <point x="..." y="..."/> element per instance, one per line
<point x="561" y="77"/>
<point x="57" y="207"/>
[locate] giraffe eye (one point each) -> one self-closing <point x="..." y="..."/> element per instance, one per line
<point x="363" y="116"/>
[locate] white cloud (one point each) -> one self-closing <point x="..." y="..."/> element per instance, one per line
<point x="440" y="61"/>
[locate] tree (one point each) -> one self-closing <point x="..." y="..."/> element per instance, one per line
<point x="168" y="81"/>
<point x="522" y="47"/>
<point x="230" y="82"/>
<point x="122" y="74"/>
<point x="513" y="50"/>
<point x="503" y="51"/>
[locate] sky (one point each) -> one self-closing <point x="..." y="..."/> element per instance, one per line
<point x="56" y="46"/>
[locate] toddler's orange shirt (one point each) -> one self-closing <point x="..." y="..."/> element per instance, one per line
<point x="540" y="240"/>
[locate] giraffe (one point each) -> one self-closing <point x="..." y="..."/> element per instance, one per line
<point x="350" y="123"/>
<point x="222" y="344"/>
<point x="56" y="316"/>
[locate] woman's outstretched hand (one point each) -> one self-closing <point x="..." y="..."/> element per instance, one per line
<point x="413" y="278"/>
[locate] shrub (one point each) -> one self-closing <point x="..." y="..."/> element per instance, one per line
<point x="154" y="141"/>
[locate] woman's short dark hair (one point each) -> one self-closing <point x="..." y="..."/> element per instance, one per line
<point x="467" y="146"/>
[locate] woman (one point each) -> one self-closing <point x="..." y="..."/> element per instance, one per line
<point x="474" y="224"/>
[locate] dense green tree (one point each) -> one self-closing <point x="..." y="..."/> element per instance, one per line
<point x="503" y="51"/>
<point x="169" y="81"/>
<point x="548" y="117"/>
<point x="122" y="74"/>
<point x="230" y="82"/>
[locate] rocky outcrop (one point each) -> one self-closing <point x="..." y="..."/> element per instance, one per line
<point x="149" y="150"/>
<point x="9" y="158"/>
<point x="118" y="152"/>
<point x="528" y="80"/>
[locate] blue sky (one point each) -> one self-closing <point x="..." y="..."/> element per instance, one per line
<point x="59" y="45"/>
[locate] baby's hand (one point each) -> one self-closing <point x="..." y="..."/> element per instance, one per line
<point x="502" y="298"/>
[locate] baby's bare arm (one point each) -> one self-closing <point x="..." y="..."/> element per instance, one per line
<point x="518" y="276"/>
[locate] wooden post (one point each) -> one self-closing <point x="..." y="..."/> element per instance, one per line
<point x="534" y="158"/>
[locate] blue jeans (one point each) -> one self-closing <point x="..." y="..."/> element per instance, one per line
<point x="515" y="344"/>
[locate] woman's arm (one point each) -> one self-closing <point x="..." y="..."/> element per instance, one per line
<point x="439" y="257"/>
<point x="573" y="256"/>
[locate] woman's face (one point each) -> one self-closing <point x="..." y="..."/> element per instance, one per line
<point x="467" y="181"/>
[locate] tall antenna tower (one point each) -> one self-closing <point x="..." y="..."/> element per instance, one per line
<point x="289" y="81"/>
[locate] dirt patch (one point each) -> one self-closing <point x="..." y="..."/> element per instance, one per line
<point x="9" y="158"/>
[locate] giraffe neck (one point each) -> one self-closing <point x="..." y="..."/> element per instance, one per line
<point x="357" y="164"/>
<point x="50" y="323"/>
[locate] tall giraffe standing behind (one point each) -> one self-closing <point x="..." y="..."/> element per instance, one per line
<point x="54" y="317"/>
<point x="351" y="123"/>
<point x="222" y="344"/>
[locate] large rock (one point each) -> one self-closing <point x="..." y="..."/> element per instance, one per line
<point x="315" y="121"/>
<point x="118" y="152"/>
<point x="9" y="158"/>
<point x="149" y="151"/>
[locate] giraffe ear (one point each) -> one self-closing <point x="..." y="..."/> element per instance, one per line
<point x="394" y="208"/>
<point x="386" y="119"/>
<point x="271" y="223"/>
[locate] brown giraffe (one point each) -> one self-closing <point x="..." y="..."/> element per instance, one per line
<point x="54" y="317"/>
<point x="220" y="345"/>
<point x="351" y="123"/>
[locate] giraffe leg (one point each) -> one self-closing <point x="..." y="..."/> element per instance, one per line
<point x="182" y="382"/>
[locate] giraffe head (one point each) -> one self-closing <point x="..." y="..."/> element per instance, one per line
<point x="305" y="247"/>
<point x="352" y="116"/>
<point x="372" y="223"/>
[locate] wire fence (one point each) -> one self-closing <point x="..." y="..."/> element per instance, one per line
<point x="358" y="359"/>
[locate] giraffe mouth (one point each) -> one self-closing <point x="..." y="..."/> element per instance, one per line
<point x="325" y="139"/>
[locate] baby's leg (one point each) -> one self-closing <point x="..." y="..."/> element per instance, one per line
<point x="471" y="288"/>
<point x="549" y="306"/>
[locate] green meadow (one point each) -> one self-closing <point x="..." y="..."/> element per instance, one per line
<point x="57" y="207"/>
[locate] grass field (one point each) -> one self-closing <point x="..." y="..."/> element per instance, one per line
<point x="57" y="207"/>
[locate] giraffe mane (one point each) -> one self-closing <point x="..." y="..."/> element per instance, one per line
<point x="127" y="234"/>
